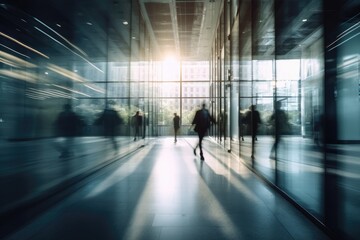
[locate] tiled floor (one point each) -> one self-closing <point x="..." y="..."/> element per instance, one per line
<point x="165" y="192"/>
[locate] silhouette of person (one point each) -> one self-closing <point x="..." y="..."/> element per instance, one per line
<point x="279" y="119"/>
<point x="137" y="122"/>
<point x="202" y="122"/>
<point x="109" y="120"/>
<point x="176" y="122"/>
<point x="253" y="120"/>
<point x="68" y="125"/>
<point x="145" y="122"/>
<point x="222" y="121"/>
<point x="242" y="125"/>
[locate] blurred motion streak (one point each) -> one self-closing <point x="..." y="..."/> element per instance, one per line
<point x="73" y="76"/>
<point x="14" y="51"/>
<point x="68" y="48"/>
<point x="19" y="74"/>
<point x="124" y="171"/>
<point x="66" y="73"/>
<point x="71" y="90"/>
<point x="13" y="61"/>
<point x="343" y="35"/>
<point x="23" y="45"/>
<point x="67" y="41"/>
<point x="47" y="93"/>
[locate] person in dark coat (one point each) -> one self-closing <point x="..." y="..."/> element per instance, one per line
<point x="202" y="122"/>
<point x="109" y="121"/>
<point x="253" y="120"/>
<point x="137" y="122"/>
<point x="176" y="121"/>
<point x="280" y="122"/>
<point x="68" y="125"/>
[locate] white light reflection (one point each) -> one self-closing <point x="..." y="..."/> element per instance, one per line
<point x="163" y="190"/>
<point x="48" y="93"/>
<point x="66" y="73"/>
<point x="69" y="49"/>
<point x="224" y="169"/>
<point x="82" y="52"/>
<point x="73" y="76"/>
<point x="166" y="179"/>
<point x="95" y="88"/>
<point x="77" y="48"/>
<point x="341" y="37"/>
<point x="71" y="90"/>
<point x="122" y="172"/>
<point x="15" y="61"/>
<point x="18" y="74"/>
<point x="24" y="45"/>
<point x="14" y="51"/>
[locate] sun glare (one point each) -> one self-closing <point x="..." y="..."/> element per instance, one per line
<point x="170" y="68"/>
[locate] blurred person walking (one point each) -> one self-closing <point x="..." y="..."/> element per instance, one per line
<point x="253" y="120"/>
<point x="68" y="125"/>
<point x="176" y="122"/>
<point x="137" y="122"/>
<point x="280" y="122"/>
<point x="110" y="120"/>
<point x="202" y="122"/>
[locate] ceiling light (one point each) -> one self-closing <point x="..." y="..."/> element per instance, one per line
<point x="304" y="20"/>
<point x="125" y="22"/>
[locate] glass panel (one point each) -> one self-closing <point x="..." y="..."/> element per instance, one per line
<point x="86" y="90"/>
<point x="245" y="74"/>
<point x="298" y="104"/>
<point x="344" y="156"/>
<point x="169" y="89"/>
<point x="195" y="71"/>
<point x="234" y="111"/>
<point x="167" y="108"/>
<point x="259" y="127"/>
<point x="118" y="72"/>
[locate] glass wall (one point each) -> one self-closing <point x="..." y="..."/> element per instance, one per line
<point x="341" y="115"/>
<point x="64" y="67"/>
<point x="294" y="100"/>
<point x="264" y="89"/>
<point x="297" y="151"/>
<point x="282" y="81"/>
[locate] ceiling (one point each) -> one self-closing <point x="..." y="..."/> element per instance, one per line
<point x="184" y="28"/>
<point x="181" y="28"/>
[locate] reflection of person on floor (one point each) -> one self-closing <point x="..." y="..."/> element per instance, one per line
<point x="110" y="120"/>
<point x="68" y="125"/>
<point x="137" y="122"/>
<point x="176" y="122"/>
<point x="202" y="122"/>
<point x="279" y="120"/>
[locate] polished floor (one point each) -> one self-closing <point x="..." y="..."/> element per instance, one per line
<point x="163" y="191"/>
